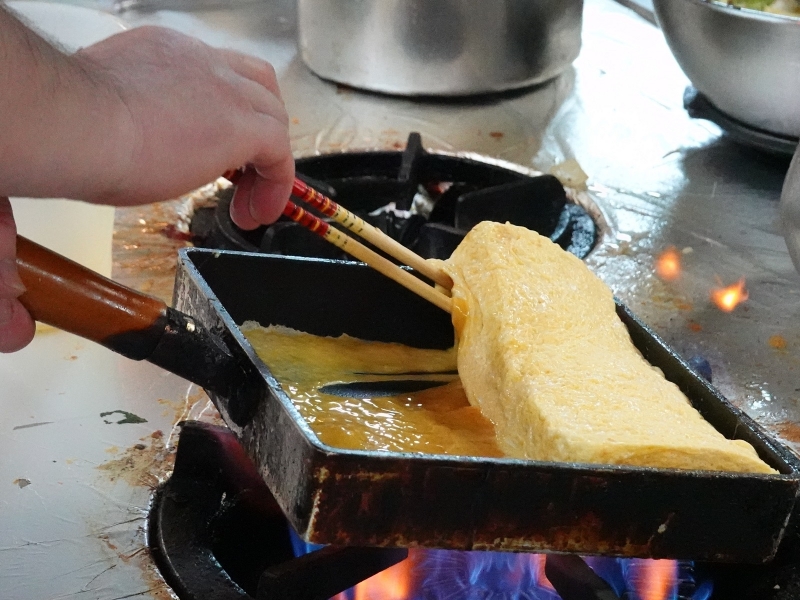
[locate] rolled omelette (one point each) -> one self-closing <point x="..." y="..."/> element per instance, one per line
<point x="544" y="356"/>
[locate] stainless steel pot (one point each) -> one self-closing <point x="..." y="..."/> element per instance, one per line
<point x="746" y="62"/>
<point x="439" y="47"/>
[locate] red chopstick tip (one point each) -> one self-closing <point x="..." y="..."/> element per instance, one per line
<point x="299" y="188"/>
<point x="305" y="218"/>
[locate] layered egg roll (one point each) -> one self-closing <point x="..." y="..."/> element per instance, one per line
<point x="543" y="354"/>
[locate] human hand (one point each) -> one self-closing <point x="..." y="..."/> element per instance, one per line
<point x="192" y="112"/>
<point x="145" y="115"/>
<point x="16" y="325"/>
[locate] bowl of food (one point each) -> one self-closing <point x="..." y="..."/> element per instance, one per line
<point x="744" y="57"/>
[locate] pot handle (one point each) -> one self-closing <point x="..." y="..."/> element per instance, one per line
<point x="66" y="295"/>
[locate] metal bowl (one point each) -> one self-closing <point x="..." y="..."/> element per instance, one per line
<point x="790" y="210"/>
<point x="439" y="47"/>
<point x="746" y="62"/>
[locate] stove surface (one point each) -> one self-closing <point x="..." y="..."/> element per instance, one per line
<point x="76" y="485"/>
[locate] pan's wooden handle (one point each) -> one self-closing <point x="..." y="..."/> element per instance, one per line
<point x="71" y="297"/>
<point x="68" y="296"/>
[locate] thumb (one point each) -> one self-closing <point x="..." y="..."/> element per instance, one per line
<point x="16" y="326"/>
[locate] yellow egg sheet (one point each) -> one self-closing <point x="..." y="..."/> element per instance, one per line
<point x="438" y="420"/>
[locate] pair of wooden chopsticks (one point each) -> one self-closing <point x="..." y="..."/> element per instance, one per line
<point x="373" y="235"/>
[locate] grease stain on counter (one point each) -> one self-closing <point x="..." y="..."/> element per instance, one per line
<point x="149" y="461"/>
<point x="127" y="546"/>
<point x="29" y="425"/>
<point x="143" y="464"/>
<point x="778" y="342"/>
<point x="127" y="417"/>
<point x="788" y="431"/>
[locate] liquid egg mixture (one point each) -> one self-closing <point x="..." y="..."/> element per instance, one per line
<point x="437" y="420"/>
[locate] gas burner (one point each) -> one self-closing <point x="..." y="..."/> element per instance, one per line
<point x="425" y="201"/>
<point x="216" y="533"/>
<point x="700" y="107"/>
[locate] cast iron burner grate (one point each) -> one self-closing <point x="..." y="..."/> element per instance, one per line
<point x="425" y="201"/>
<point x="216" y="533"/>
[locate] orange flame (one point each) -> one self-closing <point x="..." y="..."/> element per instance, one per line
<point x="392" y="584"/>
<point x="668" y="264"/>
<point x="658" y="579"/>
<point x="653" y="580"/>
<point x="728" y="298"/>
<point x="538" y="564"/>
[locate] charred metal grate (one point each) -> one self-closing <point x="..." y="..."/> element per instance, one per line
<point x="425" y="201"/>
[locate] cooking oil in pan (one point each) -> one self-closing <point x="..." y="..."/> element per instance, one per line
<point x="339" y="386"/>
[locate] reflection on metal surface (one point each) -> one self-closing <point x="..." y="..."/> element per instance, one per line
<point x="668" y="264"/>
<point x="351" y="120"/>
<point x="729" y="297"/>
<point x="643" y="8"/>
<point x="658" y="177"/>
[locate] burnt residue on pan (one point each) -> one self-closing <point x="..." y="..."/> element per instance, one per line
<point x="371" y="498"/>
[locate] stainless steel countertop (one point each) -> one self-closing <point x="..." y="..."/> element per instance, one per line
<point x="659" y="177"/>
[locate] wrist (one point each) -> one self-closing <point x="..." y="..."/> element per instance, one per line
<point x="108" y="135"/>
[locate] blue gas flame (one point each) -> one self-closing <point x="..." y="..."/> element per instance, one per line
<point x="455" y="575"/>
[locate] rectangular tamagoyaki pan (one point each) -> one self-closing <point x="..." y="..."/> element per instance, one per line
<point x="373" y="498"/>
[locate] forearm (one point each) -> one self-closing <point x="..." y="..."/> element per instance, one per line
<point x="55" y="120"/>
<point x="142" y="116"/>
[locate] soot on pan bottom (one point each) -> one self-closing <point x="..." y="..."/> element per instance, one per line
<point x="217" y="533"/>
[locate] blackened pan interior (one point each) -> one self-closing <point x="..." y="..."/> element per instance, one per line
<point x="322" y="297"/>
